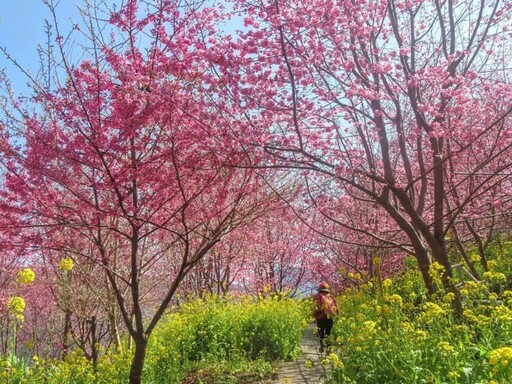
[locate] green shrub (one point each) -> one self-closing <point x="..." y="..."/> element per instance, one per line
<point x="223" y="338"/>
<point x="221" y="330"/>
<point x="401" y="337"/>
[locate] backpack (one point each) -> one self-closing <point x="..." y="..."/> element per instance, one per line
<point x="326" y="307"/>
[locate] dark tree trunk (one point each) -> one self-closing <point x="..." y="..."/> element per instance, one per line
<point x="424" y="266"/>
<point x="138" y="360"/>
<point x="94" y="342"/>
<point x="66" y="333"/>
<point x="441" y="256"/>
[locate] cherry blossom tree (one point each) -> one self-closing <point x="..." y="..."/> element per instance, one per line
<point x="485" y="218"/>
<point x="125" y="165"/>
<point x="382" y="102"/>
<point x="357" y="236"/>
<point x="274" y="253"/>
<point x="220" y="271"/>
<point x="279" y="255"/>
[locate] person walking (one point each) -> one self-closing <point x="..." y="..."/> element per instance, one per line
<point x="325" y="309"/>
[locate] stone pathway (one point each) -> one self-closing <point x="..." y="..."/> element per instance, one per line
<point x="296" y="372"/>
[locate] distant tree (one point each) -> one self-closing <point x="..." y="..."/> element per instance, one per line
<point x="280" y="255"/>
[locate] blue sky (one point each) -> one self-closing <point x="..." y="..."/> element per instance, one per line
<point x="22" y="28"/>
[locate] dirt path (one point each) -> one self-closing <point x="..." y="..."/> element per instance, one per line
<point x="297" y="372"/>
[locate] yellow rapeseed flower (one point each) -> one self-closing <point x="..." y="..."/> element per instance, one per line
<point x="16" y="306"/>
<point x="507" y="294"/>
<point x="66" y="264"/>
<point x="501" y="358"/>
<point x="431" y="312"/>
<point x="474" y="257"/>
<point x="421" y="335"/>
<point x="396" y="299"/>
<point x="369" y="328"/>
<point x="435" y="271"/>
<point x="26" y="276"/>
<point x="473" y="289"/>
<point x="495" y="277"/>
<point x="503" y="313"/>
<point x="453" y="375"/>
<point x="435" y="268"/>
<point x="470" y="315"/>
<point x="445" y="348"/>
<point x="449" y="297"/>
<point x="335" y="361"/>
<point x="406" y="326"/>
<point x="492" y="264"/>
<point x="484" y="320"/>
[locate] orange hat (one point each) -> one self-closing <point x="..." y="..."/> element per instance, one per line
<point x="323" y="287"/>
